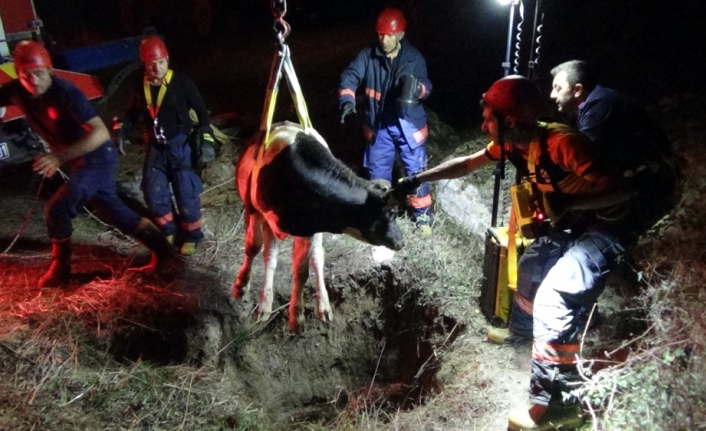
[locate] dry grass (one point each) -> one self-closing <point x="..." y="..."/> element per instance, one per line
<point x="60" y="371"/>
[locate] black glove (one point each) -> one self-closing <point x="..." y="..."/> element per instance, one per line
<point x="208" y="153"/>
<point x="406" y="186"/>
<point x="120" y="135"/>
<point x="346" y="109"/>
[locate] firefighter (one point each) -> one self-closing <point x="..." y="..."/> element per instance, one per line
<point x="162" y="100"/>
<point x="80" y="142"/>
<point x="394" y="75"/>
<point x="627" y="140"/>
<point x="584" y="199"/>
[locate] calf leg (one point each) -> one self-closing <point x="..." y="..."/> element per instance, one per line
<point x="300" y="274"/>
<point x="253" y="245"/>
<point x="264" y="309"/>
<point x="323" y="308"/>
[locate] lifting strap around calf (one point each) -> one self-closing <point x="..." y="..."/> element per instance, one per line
<point x="282" y="65"/>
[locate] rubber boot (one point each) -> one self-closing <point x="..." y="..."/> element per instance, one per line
<point x="541" y="418"/>
<point x="504" y="336"/>
<point x="424" y="223"/>
<point x="60" y="269"/>
<point x="188" y="248"/>
<point x="163" y="252"/>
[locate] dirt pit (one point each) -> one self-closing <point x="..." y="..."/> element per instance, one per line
<point x="380" y="351"/>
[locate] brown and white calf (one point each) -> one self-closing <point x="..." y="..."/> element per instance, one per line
<point x="292" y="185"/>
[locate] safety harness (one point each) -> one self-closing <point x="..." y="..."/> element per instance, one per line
<point x="154" y="108"/>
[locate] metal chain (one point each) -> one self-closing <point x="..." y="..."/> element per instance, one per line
<point x="281" y="27"/>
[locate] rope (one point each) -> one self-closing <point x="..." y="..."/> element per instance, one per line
<point x="26" y="221"/>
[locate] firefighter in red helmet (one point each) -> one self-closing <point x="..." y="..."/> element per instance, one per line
<point x="394" y="75"/>
<point x="592" y="218"/>
<point x="162" y="99"/>
<point x="80" y="142"/>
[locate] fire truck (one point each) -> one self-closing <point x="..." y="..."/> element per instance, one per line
<point x="19" y="21"/>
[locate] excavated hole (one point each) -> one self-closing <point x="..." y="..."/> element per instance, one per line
<point x="381" y="351"/>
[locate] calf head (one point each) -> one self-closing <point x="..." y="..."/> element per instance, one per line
<point x="377" y="224"/>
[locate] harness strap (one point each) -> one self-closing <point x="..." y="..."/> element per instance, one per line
<point x="152" y="108"/>
<point x="282" y="64"/>
<point x="539" y="150"/>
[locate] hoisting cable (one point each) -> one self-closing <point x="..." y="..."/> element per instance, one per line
<point x="282" y="64"/>
<point x="533" y="65"/>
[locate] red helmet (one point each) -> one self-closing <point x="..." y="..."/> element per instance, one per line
<point x="29" y="54"/>
<point x="516" y="96"/>
<point x="390" y="21"/>
<point x="152" y="48"/>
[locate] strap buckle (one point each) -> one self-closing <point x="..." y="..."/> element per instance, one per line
<point x="159" y="132"/>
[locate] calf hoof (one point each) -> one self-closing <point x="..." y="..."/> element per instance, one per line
<point x="296" y="318"/>
<point x="262" y="314"/>
<point x="239" y="290"/>
<point x="326" y="315"/>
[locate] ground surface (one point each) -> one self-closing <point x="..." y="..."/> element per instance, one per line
<point x="406" y="348"/>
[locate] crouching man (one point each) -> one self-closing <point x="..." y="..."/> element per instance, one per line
<point x="584" y="198"/>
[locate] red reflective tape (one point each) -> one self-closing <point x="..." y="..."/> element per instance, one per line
<point x="347" y="92"/>
<point x="196" y="225"/>
<point x="423" y="202"/>
<point x="369" y="134"/>
<point x="524" y="303"/>
<point x="421" y="134"/>
<point x="370" y="92"/>
<point x="564" y="354"/>
<point x="165" y="219"/>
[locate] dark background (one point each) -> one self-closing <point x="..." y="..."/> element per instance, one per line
<point x="650" y="49"/>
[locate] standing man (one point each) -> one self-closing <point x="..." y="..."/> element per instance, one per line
<point x="581" y="196"/>
<point x="394" y="74"/>
<point x="79" y="140"/>
<point x="162" y="100"/>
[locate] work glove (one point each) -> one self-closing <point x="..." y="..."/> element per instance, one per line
<point x="346" y="109"/>
<point x="208" y="153"/>
<point x="120" y="135"/>
<point x="406" y="186"/>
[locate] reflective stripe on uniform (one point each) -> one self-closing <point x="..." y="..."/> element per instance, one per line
<point x="369" y="134"/>
<point x="523" y="303"/>
<point x="417" y="202"/>
<point x="165" y="219"/>
<point x="196" y="225"/>
<point x="370" y="92"/>
<point x="564" y="354"/>
<point x="421" y="134"/>
<point x="347" y="92"/>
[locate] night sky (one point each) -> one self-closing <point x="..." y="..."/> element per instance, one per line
<point x="649" y="48"/>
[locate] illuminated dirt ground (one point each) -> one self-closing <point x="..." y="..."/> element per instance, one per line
<point x="406" y="350"/>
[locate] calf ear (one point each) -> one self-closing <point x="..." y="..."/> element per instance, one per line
<point x="390" y="199"/>
<point x="381" y="185"/>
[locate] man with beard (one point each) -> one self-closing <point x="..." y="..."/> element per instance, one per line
<point x="162" y="99"/>
<point x="79" y="140"/>
<point x="395" y="77"/>
<point x="592" y="220"/>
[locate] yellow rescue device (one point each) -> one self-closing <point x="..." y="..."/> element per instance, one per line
<point x="501" y="255"/>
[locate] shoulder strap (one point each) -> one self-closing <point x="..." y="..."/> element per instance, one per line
<point x="538" y="154"/>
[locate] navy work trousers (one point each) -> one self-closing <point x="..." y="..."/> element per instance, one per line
<point x="91" y="179"/>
